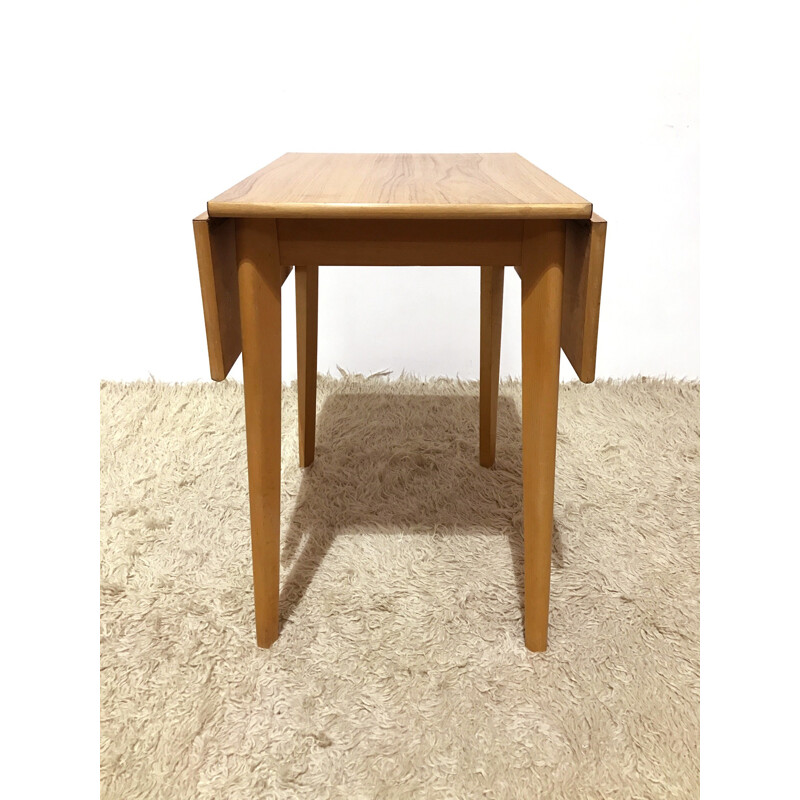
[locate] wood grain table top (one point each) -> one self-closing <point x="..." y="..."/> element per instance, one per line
<point x="399" y="186"/>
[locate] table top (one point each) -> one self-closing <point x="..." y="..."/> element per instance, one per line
<point x="401" y="185"/>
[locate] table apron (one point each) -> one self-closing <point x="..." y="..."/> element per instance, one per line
<point x="400" y="242"/>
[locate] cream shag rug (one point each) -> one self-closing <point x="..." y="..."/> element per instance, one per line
<point x="400" y="671"/>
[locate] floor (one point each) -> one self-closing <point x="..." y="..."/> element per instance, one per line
<point x="400" y="670"/>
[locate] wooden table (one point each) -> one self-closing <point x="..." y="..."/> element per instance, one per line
<point x="490" y="210"/>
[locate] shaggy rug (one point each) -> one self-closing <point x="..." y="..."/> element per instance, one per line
<point x="400" y="671"/>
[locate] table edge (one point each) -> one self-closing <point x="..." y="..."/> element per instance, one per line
<point x="401" y="210"/>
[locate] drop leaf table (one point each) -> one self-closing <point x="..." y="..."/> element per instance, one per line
<point x="489" y="210"/>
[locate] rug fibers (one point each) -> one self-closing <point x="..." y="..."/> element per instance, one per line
<point x="400" y="671"/>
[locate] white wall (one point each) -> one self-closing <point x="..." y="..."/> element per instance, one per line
<point x="192" y="97"/>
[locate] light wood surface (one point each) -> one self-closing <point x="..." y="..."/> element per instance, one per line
<point x="215" y="244"/>
<point x="398" y="242"/>
<point x="260" y="278"/>
<point x="488" y="210"/>
<point x="491" y="326"/>
<point x="542" y="271"/>
<point x="401" y="185"/>
<point x="306" y="294"/>
<point x="583" y="277"/>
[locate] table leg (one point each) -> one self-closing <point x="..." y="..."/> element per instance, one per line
<point x="306" y="287"/>
<point x="491" y="324"/>
<point x="260" y="308"/>
<point x="542" y="272"/>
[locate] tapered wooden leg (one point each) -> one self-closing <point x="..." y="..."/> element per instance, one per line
<point x="491" y="325"/>
<point x="260" y="279"/>
<point x="542" y="272"/>
<point x="306" y="286"/>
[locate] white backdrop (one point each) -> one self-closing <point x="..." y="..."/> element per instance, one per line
<point x="601" y="95"/>
<point x="122" y="119"/>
